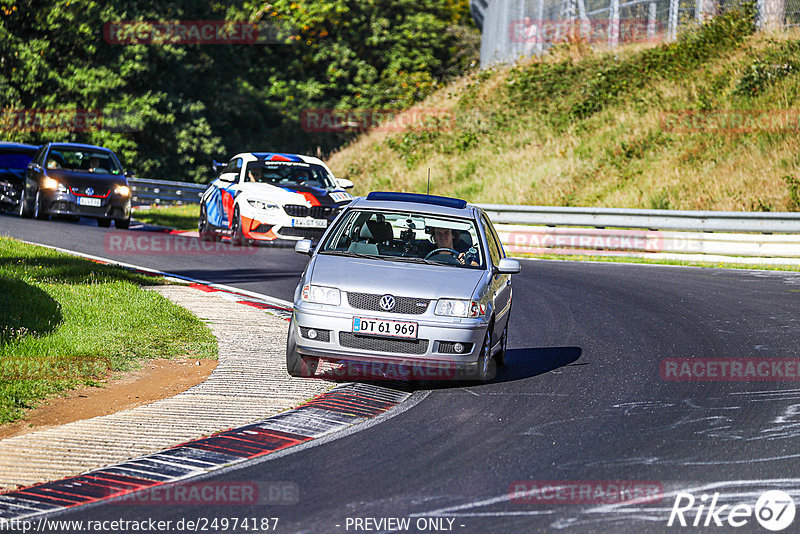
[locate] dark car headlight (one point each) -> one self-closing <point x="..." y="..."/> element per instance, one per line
<point x="122" y="190"/>
<point x="53" y="184"/>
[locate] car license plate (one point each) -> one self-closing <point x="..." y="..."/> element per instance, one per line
<point x="310" y="223"/>
<point x="88" y="201"/>
<point x="384" y="328"/>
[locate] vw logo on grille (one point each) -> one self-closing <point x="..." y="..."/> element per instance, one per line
<point x="387" y="302"/>
<point x="89" y="191"/>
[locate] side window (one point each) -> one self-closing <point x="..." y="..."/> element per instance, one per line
<point x="234" y="165"/>
<point x="495" y="250"/>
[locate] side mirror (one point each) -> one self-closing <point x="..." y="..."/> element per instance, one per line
<point x="507" y="266"/>
<point x="344" y="183"/>
<point x="303" y="246"/>
<point x="217" y="166"/>
<point x="130" y="173"/>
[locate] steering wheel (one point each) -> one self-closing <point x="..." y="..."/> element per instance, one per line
<point x="443" y="249"/>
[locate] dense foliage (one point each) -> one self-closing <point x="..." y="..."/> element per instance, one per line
<point x="186" y="104"/>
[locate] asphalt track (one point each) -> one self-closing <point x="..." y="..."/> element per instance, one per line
<point x="582" y="399"/>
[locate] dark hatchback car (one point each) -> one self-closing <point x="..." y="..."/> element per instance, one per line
<point x="14" y="160"/>
<point x="76" y="180"/>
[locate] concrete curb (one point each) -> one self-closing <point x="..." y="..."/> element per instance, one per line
<point x="249" y="383"/>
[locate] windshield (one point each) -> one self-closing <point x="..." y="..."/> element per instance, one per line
<point x="14" y="161"/>
<point x="406" y="236"/>
<point x="289" y="174"/>
<point x="92" y="161"/>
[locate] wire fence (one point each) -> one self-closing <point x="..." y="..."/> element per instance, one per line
<point x="513" y="29"/>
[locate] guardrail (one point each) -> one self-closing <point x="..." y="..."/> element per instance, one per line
<point x="689" y="221"/>
<point x="144" y="191"/>
<point x="606" y="231"/>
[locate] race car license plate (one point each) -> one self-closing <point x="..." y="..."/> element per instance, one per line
<point x="87" y="201"/>
<point x="384" y="328"/>
<point x="310" y="223"/>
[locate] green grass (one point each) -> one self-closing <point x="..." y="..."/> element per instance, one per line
<point x="179" y="217"/>
<point x="658" y="261"/>
<point x="66" y="321"/>
<point x="586" y="126"/>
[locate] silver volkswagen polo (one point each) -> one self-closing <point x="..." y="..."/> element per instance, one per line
<point x="404" y="279"/>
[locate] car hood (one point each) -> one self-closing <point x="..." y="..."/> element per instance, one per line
<point x="296" y="194"/>
<point x="396" y="278"/>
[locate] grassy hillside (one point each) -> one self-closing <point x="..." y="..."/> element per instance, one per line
<point x="581" y="127"/>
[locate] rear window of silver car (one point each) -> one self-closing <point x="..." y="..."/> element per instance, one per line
<point x="406" y="236"/>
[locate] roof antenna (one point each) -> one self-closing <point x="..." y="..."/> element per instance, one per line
<point x="429" y="181"/>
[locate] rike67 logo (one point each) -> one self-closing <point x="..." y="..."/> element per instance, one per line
<point x="774" y="510"/>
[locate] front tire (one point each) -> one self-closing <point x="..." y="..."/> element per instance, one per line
<point x="487" y="365"/>
<point x="38" y="209"/>
<point x="237" y="235"/>
<point x="297" y="365"/>
<point x="103" y="223"/>
<point x="122" y="224"/>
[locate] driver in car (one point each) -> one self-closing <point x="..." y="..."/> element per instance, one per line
<point x="444" y="239"/>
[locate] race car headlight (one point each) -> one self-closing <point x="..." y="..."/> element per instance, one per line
<point x="51" y="183"/>
<point x="458" y="308"/>
<point x="122" y="190"/>
<point x="262" y="205"/>
<point x="321" y="295"/>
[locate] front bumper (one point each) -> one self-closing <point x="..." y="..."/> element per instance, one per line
<point x="66" y="203"/>
<point x="436" y="337"/>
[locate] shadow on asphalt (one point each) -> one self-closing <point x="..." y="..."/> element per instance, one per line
<point x="529" y="362"/>
<point x="520" y="364"/>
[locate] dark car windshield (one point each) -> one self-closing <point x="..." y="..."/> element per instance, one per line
<point x="12" y="161"/>
<point x="406" y="236"/>
<point x="82" y="160"/>
<point x="289" y="174"/>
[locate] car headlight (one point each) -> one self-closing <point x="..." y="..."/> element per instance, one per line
<point x="458" y="308"/>
<point x="122" y="190"/>
<point x="262" y="205"/>
<point x="52" y="183"/>
<point x="321" y="295"/>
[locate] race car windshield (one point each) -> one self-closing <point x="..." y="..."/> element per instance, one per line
<point x="289" y="174"/>
<point x="89" y="161"/>
<point x="406" y="236"/>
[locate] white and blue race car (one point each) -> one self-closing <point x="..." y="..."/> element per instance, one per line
<point x="265" y="196"/>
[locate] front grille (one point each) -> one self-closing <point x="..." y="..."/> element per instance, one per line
<point x="317" y="212"/>
<point x="370" y="301"/>
<point x="98" y="191"/>
<point x="381" y="344"/>
<point x="308" y="233"/>
<point x="322" y="335"/>
<point x="446" y="347"/>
